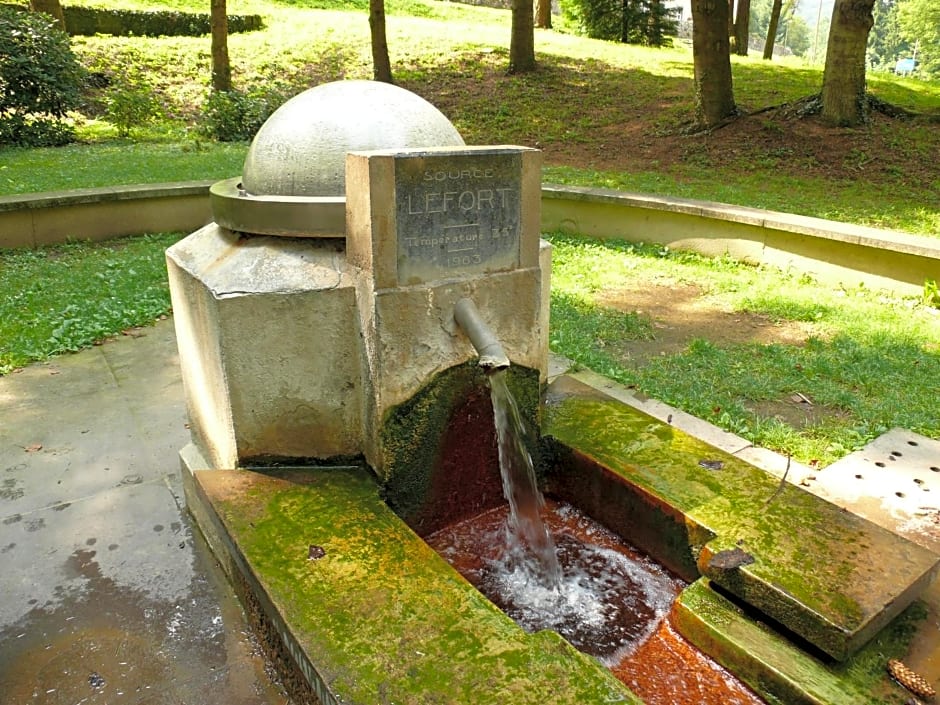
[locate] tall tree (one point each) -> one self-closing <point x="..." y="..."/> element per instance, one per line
<point x="919" y="22"/>
<point x="381" y="66"/>
<point x="522" y="37"/>
<point x="711" y="56"/>
<point x="772" y="29"/>
<point x="218" y="26"/>
<point x="843" y="90"/>
<point x="543" y="14"/>
<point x="50" y="7"/>
<point x="742" y="23"/>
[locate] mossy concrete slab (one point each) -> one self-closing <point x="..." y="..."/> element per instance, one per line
<point x="780" y="671"/>
<point x="368" y="611"/>
<point x="828" y="575"/>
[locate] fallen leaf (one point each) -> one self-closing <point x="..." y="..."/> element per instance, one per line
<point x="33" y="447"/>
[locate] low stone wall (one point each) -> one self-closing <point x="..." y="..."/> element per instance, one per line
<point x="830" y="251"/>
<point x="827" y="250"/>
<point x="34" y="220"/>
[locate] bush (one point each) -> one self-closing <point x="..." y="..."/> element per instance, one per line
<point x="88" y="21"/>
<point x="647" y="22"/>
<point x="130" y="103"/>
<point x="40" y="78"/>
<point x="233" y="116"/>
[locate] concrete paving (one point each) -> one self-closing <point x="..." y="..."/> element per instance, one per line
<point x="108" y="595"/>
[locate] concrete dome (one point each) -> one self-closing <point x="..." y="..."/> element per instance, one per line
<point x="301" y="149"/>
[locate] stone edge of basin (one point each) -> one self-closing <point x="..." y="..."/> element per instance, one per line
<point x="333" y="617"/>
<point x="777" y="238"/>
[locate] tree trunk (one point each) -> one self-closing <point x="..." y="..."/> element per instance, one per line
<point x="50" y="7"/>
<point x="522" y="38"/>
<point x="711" y="55"/>
<point x="730" y="18"/>
<point x="772" y="29"/>
<point x="218" y="26"/>
<point x="742" y="27"/>
<point x="381" y="66"/>
<point x="843" y="90"/>
<point x="543" y="14"/>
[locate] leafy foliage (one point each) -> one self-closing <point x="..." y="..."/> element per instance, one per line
<point x="646" y="22"/>
<point x="61" y="299"/>
<point x="131" y="103"/>
<point x="89" y="21"/>
<point x="40" y="79"/>
<point x="233" y="116"/>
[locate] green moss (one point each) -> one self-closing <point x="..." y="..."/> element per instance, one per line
<point x="813" y="566"/>
<point x="381" y="616"/>
<point x="413" y="432"/>
<point x="778" y="670"/>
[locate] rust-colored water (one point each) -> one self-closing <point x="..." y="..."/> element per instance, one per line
<point x="633" y="637"/>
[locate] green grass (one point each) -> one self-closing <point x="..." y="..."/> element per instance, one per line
<point x="870" y="362"/>
<point x="590" y="95"/>
<point x="65" y="298"/>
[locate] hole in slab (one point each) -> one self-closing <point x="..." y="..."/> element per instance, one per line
<point x="935" y="468"/>
<point x="899" y="494"/>
<point x="912" y="443"/>
<point x="880" y="464"/>
<point x="896" y="453"/>
<point x="858" y="477"/>
<point x="892" y="458"/>
<point x="918" y="481"/>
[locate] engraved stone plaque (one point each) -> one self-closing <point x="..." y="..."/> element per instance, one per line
<point x="457" y="214"/>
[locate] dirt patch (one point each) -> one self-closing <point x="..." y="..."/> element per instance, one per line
<point x="681" y="313"/>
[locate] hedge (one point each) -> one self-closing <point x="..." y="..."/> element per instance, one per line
<point x="88" y="21"/>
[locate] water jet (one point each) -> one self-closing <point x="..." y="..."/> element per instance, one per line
<point x="340" y="376"/>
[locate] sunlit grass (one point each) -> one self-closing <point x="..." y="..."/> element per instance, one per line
<point x="869" y="360"/>
<point x="64" y="298"/>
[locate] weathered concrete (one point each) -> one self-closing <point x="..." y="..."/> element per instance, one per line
<point x="102" y="213"/>
<point x="834" y="252"/>
<point x="370" y="613"/>
<point x="826" y="574"/>
<point x="107" y="589"/>
<point x="269" y="345"/>
<point x="773" y="665"/>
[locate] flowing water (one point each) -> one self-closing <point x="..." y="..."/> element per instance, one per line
<point x="548" y="566"/>
<point x="533" y="553"/>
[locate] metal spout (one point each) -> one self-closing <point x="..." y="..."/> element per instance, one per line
<point x="492" y="356"/>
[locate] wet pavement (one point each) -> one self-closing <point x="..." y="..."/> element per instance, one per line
<point x="107" y="594"/>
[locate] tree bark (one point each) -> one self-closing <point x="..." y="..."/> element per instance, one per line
<point x="543" y="14"/>
<point x="381" y="65"/>
<point x="711" y="55"/>
<point x="522" y="38"/>
<point x="772" y="29"/>
<point x="50" y="7"/>
<point x="218" y="26"/>
<point x="843" y="90"/>
<point x="742" y="25"/>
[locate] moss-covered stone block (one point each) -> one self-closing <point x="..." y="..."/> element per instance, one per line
<point x="828" y="575"/>
<point x="371" y="613"/>
<point x="780" y="671"/>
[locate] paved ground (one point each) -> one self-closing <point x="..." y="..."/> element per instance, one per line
<point x="107" y="595"/>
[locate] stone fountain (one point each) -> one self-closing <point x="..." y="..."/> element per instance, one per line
<point x="336" y="324"/>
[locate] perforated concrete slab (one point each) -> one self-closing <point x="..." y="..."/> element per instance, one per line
<point x="894" y="481"/>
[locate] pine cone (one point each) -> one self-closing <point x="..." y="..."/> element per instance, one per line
<point x="915" y="683"/>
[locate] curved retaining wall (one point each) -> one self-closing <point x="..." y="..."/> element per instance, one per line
<point x="837" y="253"/>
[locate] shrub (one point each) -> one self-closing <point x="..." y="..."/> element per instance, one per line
<point x="88" y="21"/>
<point x="233" y="116"/>
<point x="130" y="103"/>
<point x="40" y="79"/>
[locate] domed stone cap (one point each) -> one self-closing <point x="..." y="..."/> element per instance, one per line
<point x="301" y="149"/>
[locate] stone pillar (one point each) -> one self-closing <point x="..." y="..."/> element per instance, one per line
<point x="426" y="228"/>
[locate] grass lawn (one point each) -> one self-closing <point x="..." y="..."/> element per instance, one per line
<point x="801" y="368"/>
<point x="604" y="114"/>
<point x="789" y="364"/>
